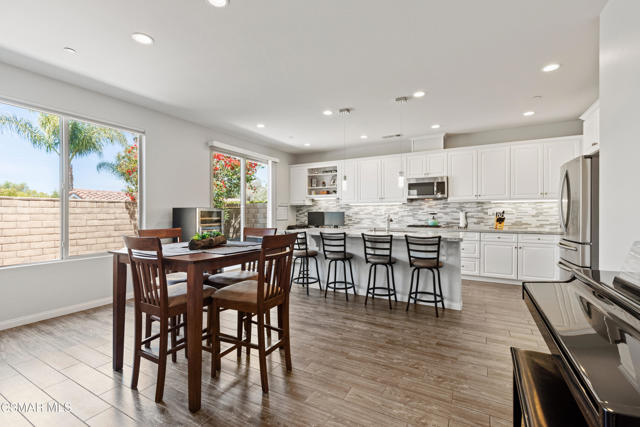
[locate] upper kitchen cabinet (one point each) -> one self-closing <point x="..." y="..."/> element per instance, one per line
<point x="556" y="152"/>
<point x="591" y="129"/>
<point x="392" y="167"/>
<point x="350" y="171"/>
<point x="493" y="173"/>
<point x="463" y="176"/>
<point x="369" y="171"/>
<point x="426" y="164"/>
<point x="527" y="170"/>
<point x="297" y="185"/>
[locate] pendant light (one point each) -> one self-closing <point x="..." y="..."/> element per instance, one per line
<point x="400" y="101"/>
<point x="344" y="112"/>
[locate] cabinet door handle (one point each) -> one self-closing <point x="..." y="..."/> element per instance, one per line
<point x="593" y="144"/>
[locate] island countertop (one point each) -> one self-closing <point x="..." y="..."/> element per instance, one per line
<point x="397" y="233"/>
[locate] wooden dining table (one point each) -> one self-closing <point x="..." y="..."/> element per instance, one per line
<point x="194" y="264"/>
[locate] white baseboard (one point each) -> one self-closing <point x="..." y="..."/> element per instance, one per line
<point x="491" y="279"/>
<point x="50" y="314"/>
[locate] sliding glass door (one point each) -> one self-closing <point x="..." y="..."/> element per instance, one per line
<point x="240" y="187"/>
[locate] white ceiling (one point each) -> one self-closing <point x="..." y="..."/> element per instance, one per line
<point x="282" y="62"/>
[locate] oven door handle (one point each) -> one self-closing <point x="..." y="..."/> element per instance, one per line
<point x="567" y="247"/>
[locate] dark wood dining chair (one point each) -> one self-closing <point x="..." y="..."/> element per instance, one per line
<point x="248" y="270"/>
<point x="257" y="297"/>
<point x="175" y="234"/>
<point x="152" y="296"/>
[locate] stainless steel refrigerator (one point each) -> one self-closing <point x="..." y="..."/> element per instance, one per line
<point x="579" y="213"/>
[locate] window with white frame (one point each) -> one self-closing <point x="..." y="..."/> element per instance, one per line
<point x="40" y="154"/>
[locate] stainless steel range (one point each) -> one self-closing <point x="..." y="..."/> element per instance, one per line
<point x="579" y="213"/>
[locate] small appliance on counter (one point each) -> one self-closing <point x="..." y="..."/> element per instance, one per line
<point x="325" y="219"/>
<point x="433" y="221"/>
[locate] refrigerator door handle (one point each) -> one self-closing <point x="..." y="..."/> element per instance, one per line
<point x="567" y="247"/>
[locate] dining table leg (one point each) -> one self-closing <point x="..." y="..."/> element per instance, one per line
<point x="119" y="304"/>
<point x="194" y="334"/>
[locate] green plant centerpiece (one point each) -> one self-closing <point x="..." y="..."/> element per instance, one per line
<point x="207" y="240"/>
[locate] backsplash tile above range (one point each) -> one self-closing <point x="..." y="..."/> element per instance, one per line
<point x="542" y="215"/>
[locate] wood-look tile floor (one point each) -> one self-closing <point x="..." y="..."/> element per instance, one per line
<point x="353" y="365"/>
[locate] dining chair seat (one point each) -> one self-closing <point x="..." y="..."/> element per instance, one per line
<point x="222" y="280"/>
<point x="242" y="296"/>
<point x="305" y="253"/>
<point x="178" y="293"/>
<point x="426" y="263"/>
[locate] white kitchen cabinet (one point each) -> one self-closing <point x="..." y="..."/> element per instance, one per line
<point x="349" y="169"/>
<point x="499" y="259"/>
<point x="297" y="185"/>
<point x="463" y="177"/>
<point x="527" y="169"/>
<point x="555" y="154"/>
<point x="391" y="167"/>
<point x="591" y="129"/>
<point x="416" y="165"/>
<point x="537" y="261"/>
<point x="423" y="164"/>
<point x="493" y="173"/>
<point x="369" y="180"/>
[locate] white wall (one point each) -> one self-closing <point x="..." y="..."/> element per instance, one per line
<point x="176" y="173"/>
<point x="619" y="130"/>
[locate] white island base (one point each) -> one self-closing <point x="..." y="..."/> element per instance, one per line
<point x="450" y="273"/>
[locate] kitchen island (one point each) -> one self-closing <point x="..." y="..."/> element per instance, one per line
<point x="449" y="255"/>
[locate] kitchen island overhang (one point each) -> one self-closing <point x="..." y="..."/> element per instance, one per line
<point x="450" y="272"/>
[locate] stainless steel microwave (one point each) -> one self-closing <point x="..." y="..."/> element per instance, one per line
<point x="427" y="188"/>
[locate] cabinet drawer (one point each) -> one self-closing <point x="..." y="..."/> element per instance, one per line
<point x="469" y="266"/>
<point x="499" y="237"/>
<point x="470" y="236"/>
<point x="538" y="238"/>
<point x="470" y="249"/>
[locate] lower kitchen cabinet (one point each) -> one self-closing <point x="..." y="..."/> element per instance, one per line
<point x="537" y="262"/>
<point x="499" y="259"/>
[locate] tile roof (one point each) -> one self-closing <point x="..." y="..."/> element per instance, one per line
<point x="102" y="195"/>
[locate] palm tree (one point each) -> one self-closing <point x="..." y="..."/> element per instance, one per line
<point x="84" y="138"/>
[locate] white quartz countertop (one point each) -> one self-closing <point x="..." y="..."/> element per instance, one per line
<point x="447" y="235"/>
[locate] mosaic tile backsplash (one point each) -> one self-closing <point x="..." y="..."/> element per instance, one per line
<point x="542" y="216"/>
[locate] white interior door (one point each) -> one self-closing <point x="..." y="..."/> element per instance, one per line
<point x="493" y="173"/>
<point x="527" y="171"/>
<point x="462" y="175"/>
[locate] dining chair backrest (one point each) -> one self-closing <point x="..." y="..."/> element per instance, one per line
<point x="420" y="247"/>
<point x="148" y="272"/>
<point x="274" y="267"/>
<point x="162" y="233"/>
<point x="252" y="234"/>
<point x="377" y="245"/>
<point x="334" y="244"/>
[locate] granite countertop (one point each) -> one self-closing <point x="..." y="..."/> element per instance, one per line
<point x="514" y="230"/>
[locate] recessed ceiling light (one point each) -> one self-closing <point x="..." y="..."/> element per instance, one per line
<point x="363" y="137"/>
<point x="419" y="94"/>
<point x="528" y="113"/>
<point x="307" y="145"/>
<point x="327" y="112"/>
<point x="260" y="125"/>
<point x="70" y="50"/>
<point x="436" y="126"/>
<point x="142" y="38"/>
<point x="219" y="3"/>
<point x="550" y="67"/>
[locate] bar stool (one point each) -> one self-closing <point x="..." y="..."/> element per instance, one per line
<point x="377" y="251"/>
<point x="334" y="248"/>
<point x="424" y="253"/>
<point x="304" y="254"/>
